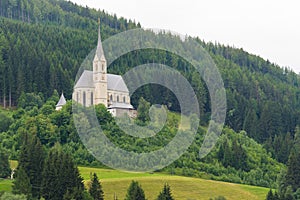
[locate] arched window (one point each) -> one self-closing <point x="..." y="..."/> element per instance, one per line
<point x="102" y="67"/>
<point x="124" y="99"/>
<point x="84" y="99"/>
<point x="111" y="97"/>
<point x="118" y="98"/>
<point x="92" y="98"/>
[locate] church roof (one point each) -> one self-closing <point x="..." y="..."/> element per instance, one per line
<point x="120" y="105"/>
<point x="85" y="80"/>
<point x="114" y="82"/>
<point x="62" y="101"/>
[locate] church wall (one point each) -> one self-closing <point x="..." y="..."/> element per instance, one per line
<point x="116" y="94"/>
<point x="119" y="112"/>
<point x="78" y="96"/>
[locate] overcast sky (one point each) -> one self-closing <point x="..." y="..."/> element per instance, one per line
<point x="269" y="28"/>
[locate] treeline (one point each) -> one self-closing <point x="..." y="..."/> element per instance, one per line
<point x="60" y="12"/>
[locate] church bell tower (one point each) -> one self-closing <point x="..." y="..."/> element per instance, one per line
<point x="100" y="73"/>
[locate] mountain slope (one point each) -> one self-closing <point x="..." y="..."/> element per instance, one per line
<point x="43" y="42"/>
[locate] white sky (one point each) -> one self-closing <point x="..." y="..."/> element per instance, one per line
<point x="268" y="28"/>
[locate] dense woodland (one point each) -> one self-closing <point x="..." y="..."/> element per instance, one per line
<point x="44" y="42"/>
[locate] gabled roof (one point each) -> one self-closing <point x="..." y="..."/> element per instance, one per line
<point x="114" y="82"/>
<point x="85" y="80"/>
<point x="62" y="101"/>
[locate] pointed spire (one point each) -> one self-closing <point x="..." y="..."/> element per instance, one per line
<point x="62" y="101"/>
<point x="99" y="51"/>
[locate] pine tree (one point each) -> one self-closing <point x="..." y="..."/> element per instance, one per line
<point x="135" y="192"/>
<point x="96" y="189"/>
<point x="165" y="194"/>
<point x="5" y="170"/>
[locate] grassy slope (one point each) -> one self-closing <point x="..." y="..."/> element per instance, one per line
<point x="117" y="182"/>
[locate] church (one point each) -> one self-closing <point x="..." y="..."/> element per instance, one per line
<point x="97" y="86"/>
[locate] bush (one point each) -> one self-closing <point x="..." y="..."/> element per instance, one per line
<point x="9" y="196"/>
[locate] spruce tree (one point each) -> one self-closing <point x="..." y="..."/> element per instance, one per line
<point x="5" y="170"/>
<point x="293" y="170"/>
<point x="61" y="178"/>
<point x="135" y="192"/>
<point x="143" y="112"/>
<point x="165" y="194"/>
<point x="31" y="162"/>
<point x="21" y="184"/>
<point x="96" y="189"/>
<point x="270" y="195"/>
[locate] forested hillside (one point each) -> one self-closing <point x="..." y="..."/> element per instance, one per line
<point x="43" y="48"/>
<point x="43" y="43"/>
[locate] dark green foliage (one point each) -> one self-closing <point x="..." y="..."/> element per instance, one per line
<point x="96" y="189"/>
<point x="5" y="170"/>
<point x="218" y="198"/>
<point x="289" y="179"/>
<point x="293" y="170"/>
<point x="5" y="122"/>
<point x="64" y="34"/>
<point x="31" y="163"/>
<point x="9" y="196"/>
<point x="29" y="100"/>
<point x="135" y="192"/>
<point x="61" y="178"/>
<point x="143" y="111"/>
<point x="262" y="98"/>
<point x="270" y="195"/>
<point x="281" y="146"/>
<point x="22" y="183"/>
<point x="233" y="155"/>
<point x="165" y="194"/>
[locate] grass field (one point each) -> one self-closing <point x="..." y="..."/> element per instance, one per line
<point x="117" y="182"/>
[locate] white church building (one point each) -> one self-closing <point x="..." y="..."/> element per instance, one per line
<point x="97" y="86"/>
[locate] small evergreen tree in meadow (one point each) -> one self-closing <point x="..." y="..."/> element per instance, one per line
<point x="165" y="194"/>
<point x="96" y="189"/>
<point x="135" y="192"/>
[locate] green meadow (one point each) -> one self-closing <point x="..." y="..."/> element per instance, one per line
<point x="116" y="183"/>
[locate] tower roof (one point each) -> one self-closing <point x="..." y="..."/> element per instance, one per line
<point x="99" y="51"/>
<point x="62" y="101"/>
